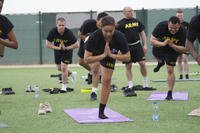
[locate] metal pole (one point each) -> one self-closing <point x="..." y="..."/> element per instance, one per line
<point x="40" y="37"/>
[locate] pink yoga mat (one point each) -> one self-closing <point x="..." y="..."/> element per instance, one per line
<point x="90" y="115"/>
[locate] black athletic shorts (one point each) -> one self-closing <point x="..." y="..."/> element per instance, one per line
<point x="169" y="57"/>
<point x="137" y="53"/>
<point x="64" y="56"/>
<point x="108" y="63"/>
<point x="81" y="50"/>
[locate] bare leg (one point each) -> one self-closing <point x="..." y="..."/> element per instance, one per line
<point x="170" y="81"/>
<point x="105" y="90"/>
<point x="129" y="74"/>
<point x="83" y="64"/>
<point x="186" y="65"/>
<point x="143" y="70"/>
<point x="180" y="66"/>
<point x="64" y="69"/>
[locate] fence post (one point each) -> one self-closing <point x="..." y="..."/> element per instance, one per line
<point x="40" y="37"/>
<point x="197" y="45"/>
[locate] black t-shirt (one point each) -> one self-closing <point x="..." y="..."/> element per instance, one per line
<point x="96" y="43"/>
<point x="194" y="29"/>
<point x="68" y="37"/>
<point x="185" y="25"/>
<point x="5" y="27"/>
<point x="88" y="26"/>
<point x="162" y="33"/>
<point x="131" y="28"/>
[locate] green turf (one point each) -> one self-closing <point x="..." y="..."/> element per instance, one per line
<point x="20" y="111"/>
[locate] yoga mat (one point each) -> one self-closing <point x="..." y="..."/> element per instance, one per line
<point x="162" y="95"/>
<point x="90" y="115"/>
<point x="177" y="80"/>
<point x="195" y="112"/>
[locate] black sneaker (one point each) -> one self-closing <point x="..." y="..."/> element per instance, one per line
<point x="181" y="77"/>
<point x="102" y="116"/>
<point x="89" y="79"/>
<point x="148" y="89"/>
<point x="7" y="91"/>
<point x="157" y="68"/>
<point x="123" y="88"/>
<point x="187" y="76"/>
<point x="128" y="92"/>
<point x="168" y="98"/>
<point x="93" y="96"/>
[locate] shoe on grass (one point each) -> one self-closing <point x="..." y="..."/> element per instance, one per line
<point x="42" y="109"/>
<point x="93" y="96"/>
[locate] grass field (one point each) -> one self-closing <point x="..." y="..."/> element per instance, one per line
<point x="19" y="111"/>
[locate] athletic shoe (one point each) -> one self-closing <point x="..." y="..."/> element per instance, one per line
<point x="93" y="96"/>
<point x="187" y="76"/>
<point x="7" y="91"/>
<point x="157" y="68"/>
<point x="169" y="98"/>
<point x="123" y="88"/>
<point x="128" y="92"/>
<point x="48" y="108"/>
<point x="29" y="89"/>
<point x="74" y="76"/>
<point x="89" y="79"/>
<point x="113" y="88"/>
<point x="42" y="109"/>
<point x="148" y="88"/>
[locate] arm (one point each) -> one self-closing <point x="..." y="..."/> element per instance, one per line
<point x="51" y="46"/>
<point x="121" y="57"/>
<point x="155" y="42"/>
<point x="11" y="42"/>
<point x="81" y="36"/>
<point x="144" y="41"/>
<point x="190" y="47"/>
<point x="71" y="47"/>
<point x="89" y="58"/>
<point x="177" y="48"/>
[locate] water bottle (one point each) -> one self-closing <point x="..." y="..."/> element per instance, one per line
<point x="36" y="89"/>
<point x="155" y="115"/>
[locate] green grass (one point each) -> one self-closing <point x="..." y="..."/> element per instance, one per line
<point x="20" y="111"/>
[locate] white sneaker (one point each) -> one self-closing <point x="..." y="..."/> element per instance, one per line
<point x="74" y="76"/>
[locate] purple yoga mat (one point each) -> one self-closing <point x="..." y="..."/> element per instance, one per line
<point x="162" y="95"/>
<point x="90" y="115"/>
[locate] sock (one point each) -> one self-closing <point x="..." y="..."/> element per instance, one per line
<point x="101" y="111"/>
<point x="169" y="94"/>
<point x="130" y="84"/>
<point x="186" y="76"/>
<point x="181" y="76"/>
<point x="64" y="87"/>
<point x="145" y="82"/>
<point x="94" y="89"/>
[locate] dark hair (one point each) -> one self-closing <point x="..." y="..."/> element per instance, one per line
<point x="2" y="1"/>
<point x="101" y="15"/>
<point x="174" y="20"/>
<point x="179" y="11"/>
<point x="107" y="20"/>
<point x="61" y="19"/>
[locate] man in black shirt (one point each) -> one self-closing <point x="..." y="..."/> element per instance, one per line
<point x="183" y="58"/>
<point x="168" y="40"/>
<point x="134" y="30"/>
<point x="105" y="46"/>
<point x="193" y="33"/>
<point x="7" y="35"/>
<point x="62" y="41"/>
<point x="86" y="29"/>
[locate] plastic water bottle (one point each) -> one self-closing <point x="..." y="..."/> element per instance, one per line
<point x="36" y="89"/>
<point x="155" y="115"/>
